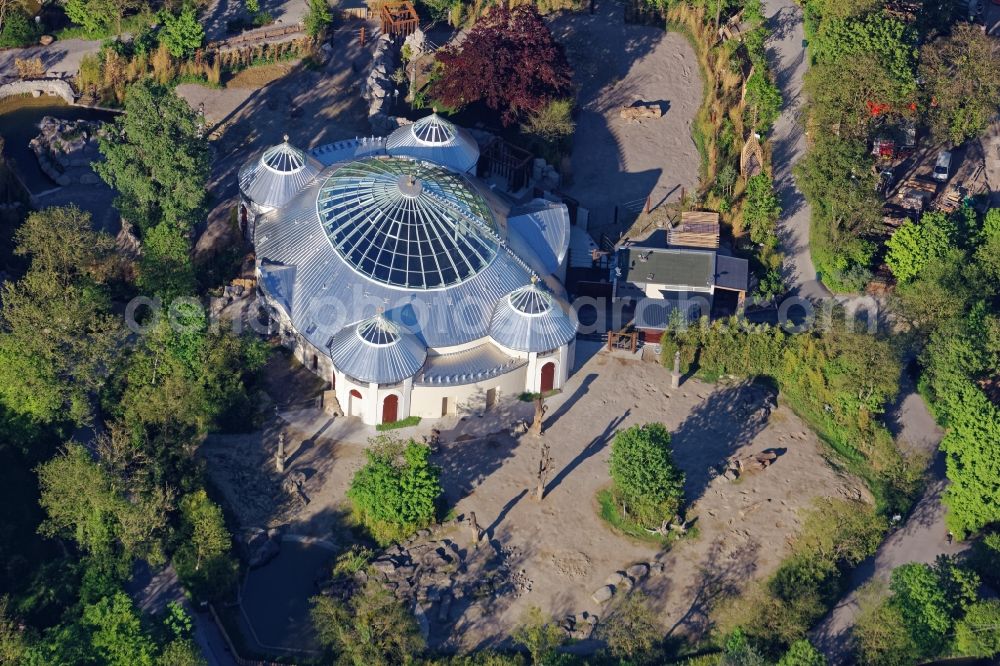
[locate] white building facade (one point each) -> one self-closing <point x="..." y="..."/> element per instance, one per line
<point x="405" y="282"/>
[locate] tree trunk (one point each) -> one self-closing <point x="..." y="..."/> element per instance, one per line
<point x="536" y="424"/>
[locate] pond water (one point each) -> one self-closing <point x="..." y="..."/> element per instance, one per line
<point x="276" y="596"/>
<point x="19" y="120"/>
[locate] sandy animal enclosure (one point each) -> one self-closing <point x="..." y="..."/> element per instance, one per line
<point x="565" y="550"/>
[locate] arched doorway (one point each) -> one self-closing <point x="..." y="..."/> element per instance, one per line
<point x="548" y="381"/>
<point x="355" y="407"/>
<point x="390" y="408"/>
<point x="243" y="218"/>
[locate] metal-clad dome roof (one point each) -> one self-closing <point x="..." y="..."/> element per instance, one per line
<point x="407" y="224"/>
<point x="437" y="140"/>
<point x="530" y="320"/>
<point x="377" y="350"/>
<point x="279" y="173"/>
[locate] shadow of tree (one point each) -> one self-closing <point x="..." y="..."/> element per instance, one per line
<point x="722" y="575"/>
<point x="466" y="460"/>
<point x="595" y="446"/>
<point x="726" y="421"/>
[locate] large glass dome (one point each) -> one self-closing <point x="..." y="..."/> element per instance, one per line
<point x="406" y="223"/>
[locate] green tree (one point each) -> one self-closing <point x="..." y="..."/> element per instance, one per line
<point x="397" y="488"/>
<point x="961" y="74"/>
<point x="85" y="502"/>
<point x="539" y="635"/>
<point x="631" y="630"/>
<point x="647" y="481"/>
<point x="12" y="643"/>
<point x="978" y="633"/>
<point x="181" y="653"/>
<point x="50" y="377"/>
<point x="930" y="599"/>
<point x="891" y="40"/>
<point x="155" y="159"/>
<point x="371" y="629"/>
<point x="761" y="210"/>
<point x="181" y="32"/>
<point x="879" y="636"/>
<point x="117" y="636"/>
<point x="202" y="561"/>
<point x="914" y="244"/>
<point x="318" y="18"/>
<point x="802" y="653"/>
<point x="165" y="266"/>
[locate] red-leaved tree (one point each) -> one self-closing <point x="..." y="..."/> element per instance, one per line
<point x="510" y="61"/>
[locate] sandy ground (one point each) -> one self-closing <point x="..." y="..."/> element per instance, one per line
<point x="561" y="543"/>
<point x="617" y="161"/>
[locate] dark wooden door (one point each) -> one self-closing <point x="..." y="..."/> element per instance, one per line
<point x="548" y="377"/>
<point x="390" y="406"/>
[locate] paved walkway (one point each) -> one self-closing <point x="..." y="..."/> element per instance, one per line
<point x="61" y="58"/>
<point x="787" y="53"/>
<point x="921" y="538"/>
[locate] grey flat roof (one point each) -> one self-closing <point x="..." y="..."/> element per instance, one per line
<point x="731" y="273"/>
<point x="674" y="267"/>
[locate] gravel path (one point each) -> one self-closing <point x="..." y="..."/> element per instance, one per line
<point x="921" y="538"/>
<point x="788" y="57"/>
<point x="59" y="58"/>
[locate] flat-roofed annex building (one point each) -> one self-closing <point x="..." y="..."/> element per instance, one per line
<point x="404" y="281"/>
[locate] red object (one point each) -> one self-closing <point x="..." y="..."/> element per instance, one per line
<point x="876" y="108"/>
<point x="548" y="377"/>
<point x="389" y="408"/>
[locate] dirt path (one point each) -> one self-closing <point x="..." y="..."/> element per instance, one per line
<point x="562" y="545"/>
<point x="617" y="161"/>
<point x="788" y="58"/>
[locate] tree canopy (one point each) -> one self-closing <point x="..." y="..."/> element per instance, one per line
<point x="646" y="479"/>
<point x="50" y="377"/>
<point x="396" y="490"/>
<point x="915" y="244"/>
<point x="510" y="61"/>
<point x="155" y="159"/>
<point x="961" y="75"/>
<point x="182" y="33"/>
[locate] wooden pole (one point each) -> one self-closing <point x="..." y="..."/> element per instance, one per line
<point x="361" y="35"/>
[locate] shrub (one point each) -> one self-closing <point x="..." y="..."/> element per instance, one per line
<point x="373" y="627"/>
<point x="647" y="482"/>
<point x="553" y="123"/>
<point x="761" y="210"/>
<point x="18" y="30"/>
<point x="317" y="18"/>
<point x="408" y="422"/>
<point x="396" y="491"/>
<point x="539" y="635"/>
<point x="182" y="33"/>
<point x="764" y="96"/>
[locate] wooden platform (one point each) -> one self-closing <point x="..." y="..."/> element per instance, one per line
<point x="698" y="228"/>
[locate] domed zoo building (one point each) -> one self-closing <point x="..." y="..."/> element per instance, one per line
<point x="402" y="279"/>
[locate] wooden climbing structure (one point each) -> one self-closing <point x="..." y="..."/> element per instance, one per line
<point x="399" y="18"/>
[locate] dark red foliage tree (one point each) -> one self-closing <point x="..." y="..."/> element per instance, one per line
<point x="510" y="61"/>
